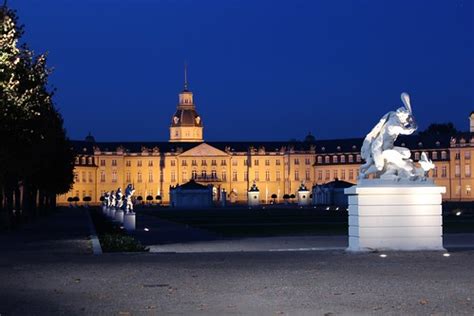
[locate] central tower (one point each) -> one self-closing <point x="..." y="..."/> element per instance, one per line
<point x="186" y="124"/>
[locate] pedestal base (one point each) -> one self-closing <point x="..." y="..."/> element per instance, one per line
<point x="119" y="215"/>
<point x="129" y="221"/>
<point x="389" y="215"/>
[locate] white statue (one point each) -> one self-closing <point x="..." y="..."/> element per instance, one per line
<point x="128" y="199"/>
<point x="112" y="199"/>
<point x="386" y="160"/>
<point x="106" y="199"/>
<point x="119" y="196"/>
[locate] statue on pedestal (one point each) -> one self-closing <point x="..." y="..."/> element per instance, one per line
<point x="112" y="199"/>
<point x="386" y="160"/>
<point x="128" y="199"/>
<point x="119" y="196"/>
<point x="106" y="199"/>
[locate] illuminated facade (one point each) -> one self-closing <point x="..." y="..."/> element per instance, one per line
<point x="276" y="167"/>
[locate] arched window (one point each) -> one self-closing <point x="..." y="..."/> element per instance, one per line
<point x="334" y="159"/>
<point x="351" y="158"/>
<point x="343" y="158"/>
<point x="443" y="155"/>
<point x="327" y="159"/>
<point x="320" y="159"/>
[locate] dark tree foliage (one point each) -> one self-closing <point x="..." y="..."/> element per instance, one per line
<point x="440" y="129"/>
<point x="36" y="158"/>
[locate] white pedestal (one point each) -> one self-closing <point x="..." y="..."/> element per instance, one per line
<point x="253" y="198"/>
<point x="303" y="198"/>
<point x="129" y="221"/>
<point x="119" y="215"/>
<point x="389" y="215"/>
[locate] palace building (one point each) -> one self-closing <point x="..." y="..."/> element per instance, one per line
<point x="276" y="167"/>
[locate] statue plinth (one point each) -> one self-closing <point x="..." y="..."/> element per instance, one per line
<point x="395" y="215"/>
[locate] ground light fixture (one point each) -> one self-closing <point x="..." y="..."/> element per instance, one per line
<point x="446" y="255"/>
<point x="146" y="229"/>
<point x="383" y="255"/>
<point x="458" y="213"/>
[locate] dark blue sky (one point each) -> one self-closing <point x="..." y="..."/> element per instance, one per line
<point x="261" y="70"/>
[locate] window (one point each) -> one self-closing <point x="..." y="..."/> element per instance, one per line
<point x="139" y="177"/>
<point x="458" y="190"/>
<point x="467" y="170"/>
<point x="246" y="176"/>
<point x="320" y="175"/>
<point x="468" y="189"/>
<point x="277" y="162"/>
<point x="457" y="171"/>
<point x="234" y="175"/>
<point x="128" y="177"/>
<point x="102" y="176"/>
<point x="150" y="176"/>
<point x="327" y="159"/>
<point x="443" y="172"/>
<point x="358" y="159"/>
<point x="434" y="155"/>
<point x="307" y="175"/>
<point x="76" y="161"/>
<point x="114" y="176"/>
<point x="467" y="154"/>
<point x="245" y="162"/>
<point x="84" y="179"/>
<point x="172" y="163"/>
<point x="351" y="174"/>
<point x="102" y="162"/>
<point x="213" y="174"/>
<point x="457" y="155"/>
<point x="194" y="174"/>
<point x="267" y="175"/>
<point x="184" y="175"/>
<point x="320" y="159"/>
<point x="213" y="162"/>
<point x="297" y="161"/>
<point x="343" y="159"/>
<point x="234" y="162"/>
<point x="327" y="176"/>
<point x="184" y="163"/>
<point x="335" y="174"/>
<point x="224" y="175"/>
<point x="128" y="163"/>
<point x="417" y="156"/>
<point x="150" y="163"/>
<point x="435" y="172"/>
<point x="343" y="174"/>
<point x="297" y="175"/>
<point x="194" y="163"/>
<point x="307" y="161"/>
<point x="203" y="163"/>
<point x="277" y="177"/>
<point x="204" y="174"/>
<point x="443" y="155"/>
<point x="267" y="162"/>
<point x="76" y="177"/>
<point x="114" y="162"/>
<point x="139" y="163"/>
<point x="257" y="178"/>
<point x="223" y="162"/>
<point x="351" y="158"/>
<point x="334" y="159"/>
<point x="255" y="162"/>
<point x="90" y="177"/>
<point x="173" y="176"/>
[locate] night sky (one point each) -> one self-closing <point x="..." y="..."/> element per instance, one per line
<point x="259" y="70"/>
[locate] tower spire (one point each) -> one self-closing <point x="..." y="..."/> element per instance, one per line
<point x="185" y="76"/>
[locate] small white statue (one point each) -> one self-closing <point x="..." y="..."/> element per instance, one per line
<point x="386" y="160"/>
<point x="112" y="199"/>
<point x="119" y="196"/>
<point x="106" y="201"/>
<point x="128" y="199"/>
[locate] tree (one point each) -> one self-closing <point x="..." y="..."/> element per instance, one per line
<point x="286" y="197"/>
<point x="292" y="197"/>
<point x="274" y="197"/>
<point x="447" y="129"/>
<point x="149" y="198"/>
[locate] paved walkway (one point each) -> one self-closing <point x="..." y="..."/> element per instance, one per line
<point x="65" y="232"/>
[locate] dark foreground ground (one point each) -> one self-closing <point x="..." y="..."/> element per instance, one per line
<point x="51" y="271"/>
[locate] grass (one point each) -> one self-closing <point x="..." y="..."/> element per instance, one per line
<point x="242" y="222"/>
<point x="112" y="237"/>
